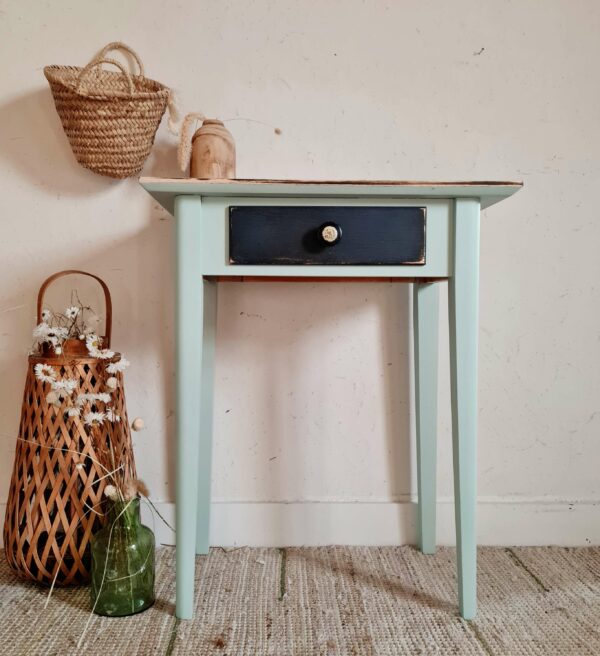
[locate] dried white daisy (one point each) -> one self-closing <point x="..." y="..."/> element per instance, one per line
<point x="72" y="312"/>
<point x="111" y="415"/>
<point x="104" y="397"/>
<point x="93" y="343"/>
<point x="60" y="332"/>
<point x="46" y="315"/>
<point x="65" y="387"/>
<point x="40" y="332"/>
<point x="73" y="412"/>
<point x="119" y="365"/>
<point x="53" y="398"/>
<point x="94" y="418"/>
<point x="44" y="372"/>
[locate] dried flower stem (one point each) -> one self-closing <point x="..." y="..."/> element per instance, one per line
<point x="147" y="500"/>
<point x="56" y="448"/>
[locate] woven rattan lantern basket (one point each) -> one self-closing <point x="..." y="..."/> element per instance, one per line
<point x="54" y="502"/>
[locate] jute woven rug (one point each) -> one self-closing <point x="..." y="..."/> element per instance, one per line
<point x="329" y="601"/>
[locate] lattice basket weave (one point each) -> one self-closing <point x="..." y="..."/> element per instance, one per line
<point x="54" y="503"/>
<point x="110" y="118"/>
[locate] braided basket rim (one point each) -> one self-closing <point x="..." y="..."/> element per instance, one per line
<point x="66" y="77"/>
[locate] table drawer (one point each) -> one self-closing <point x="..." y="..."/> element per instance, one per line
<point x="321" y="235"/>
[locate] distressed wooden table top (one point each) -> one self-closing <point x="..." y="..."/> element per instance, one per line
<point x="489" y="192"/>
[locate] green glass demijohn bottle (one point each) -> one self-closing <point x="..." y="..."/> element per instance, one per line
<point x="122" y="562"/>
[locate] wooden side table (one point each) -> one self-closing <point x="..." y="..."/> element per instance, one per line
<point x="421" y="232"/>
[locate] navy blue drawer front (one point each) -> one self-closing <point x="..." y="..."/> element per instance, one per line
<point x="326" y="235"/>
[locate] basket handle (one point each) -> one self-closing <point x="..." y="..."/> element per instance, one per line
<point x="119" y="45"/>
<point x="184" y="151"/>
<point x="68" y="272"/>
<point x="98" y="62"/>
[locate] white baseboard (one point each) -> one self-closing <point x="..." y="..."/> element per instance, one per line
<point x="500" y="522"/>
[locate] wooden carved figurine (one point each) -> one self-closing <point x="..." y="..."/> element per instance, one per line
<point x="211" y="151"/>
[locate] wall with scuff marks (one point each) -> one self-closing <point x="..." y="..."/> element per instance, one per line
<point x="314" y="434"/>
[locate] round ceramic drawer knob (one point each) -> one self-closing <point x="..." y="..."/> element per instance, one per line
<point x="331" y="233"/>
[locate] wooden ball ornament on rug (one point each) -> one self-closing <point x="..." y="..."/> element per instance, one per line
<point x="138" y="424"/>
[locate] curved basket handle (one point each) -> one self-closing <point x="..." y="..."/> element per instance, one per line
<point x="98" y="62"/>
<point x="184" y="151"/>
<point x="107" y="299"/>
<point x="118" y="45"/>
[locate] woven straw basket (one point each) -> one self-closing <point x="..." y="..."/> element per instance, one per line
<point x="56" y="478"/>
<point x="110" y="118"/>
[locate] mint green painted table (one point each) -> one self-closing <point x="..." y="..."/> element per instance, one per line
<point x="201" y="211"/>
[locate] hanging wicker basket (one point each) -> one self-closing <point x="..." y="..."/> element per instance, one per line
<point x="54" y="502"/>
<point x="110" y="118"/>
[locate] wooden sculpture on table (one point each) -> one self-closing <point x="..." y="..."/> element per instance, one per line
<point x="210" y="153"/>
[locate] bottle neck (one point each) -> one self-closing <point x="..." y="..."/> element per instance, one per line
<point x="124" y="513"/>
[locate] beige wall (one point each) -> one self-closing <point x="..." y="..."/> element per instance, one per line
<point x="313" y="383"/>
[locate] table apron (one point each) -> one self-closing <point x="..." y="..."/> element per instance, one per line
<point x="213" y="213"/>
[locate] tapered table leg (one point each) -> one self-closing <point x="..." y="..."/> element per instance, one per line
<point x="206" y="417"/>
<point x="425" y="317"/>
<point x="463" y="291"/>
<point x="189" y="340"/>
